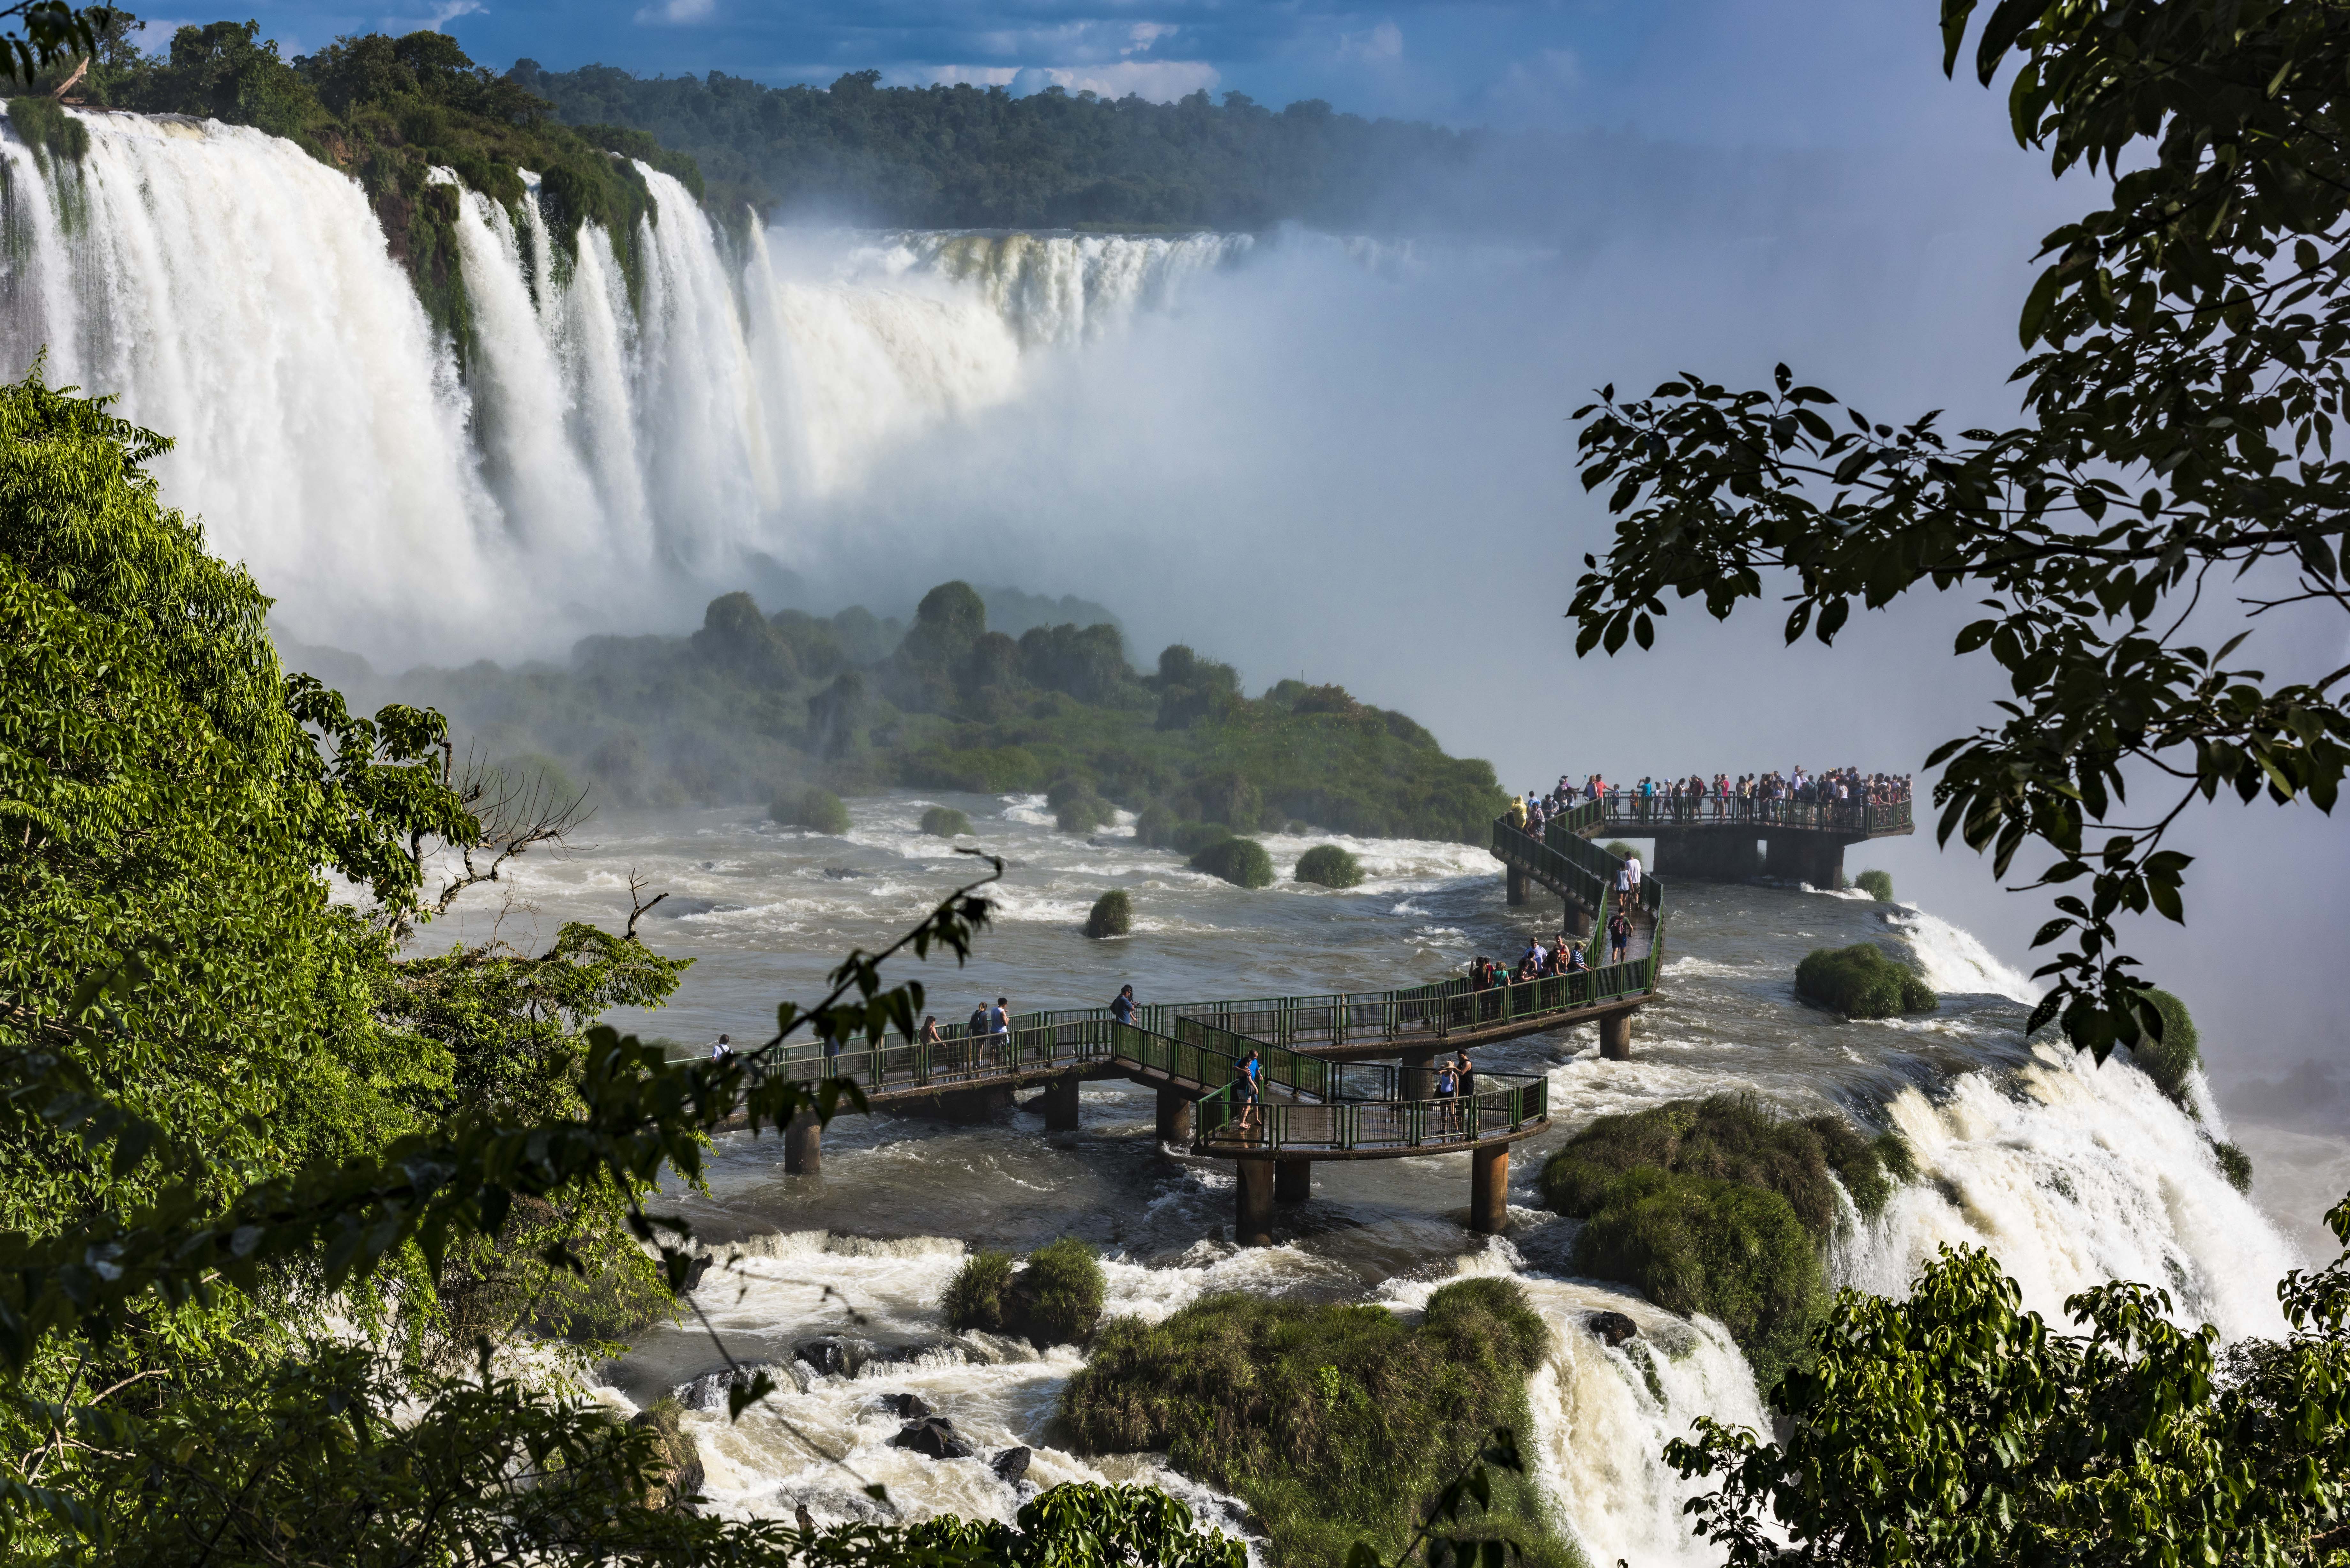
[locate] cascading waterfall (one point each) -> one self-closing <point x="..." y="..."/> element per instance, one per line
<point x="240" y="296"/>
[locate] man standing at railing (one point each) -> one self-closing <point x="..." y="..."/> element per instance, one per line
<point x="723" y="1052"/>
<point x="1121" y="1006"/>
<point x="998" y="1030"/>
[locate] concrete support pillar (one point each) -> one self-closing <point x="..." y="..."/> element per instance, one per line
<point x="804" y="1145"/>
<point x="1418" y="1080"/>
<point x="1293" y="1180"/>
<point x="1175" y="1117"/>
<point x="1578" y="922"/>
<point x="1517" y="886"/>
<point x="1061" y="1105"/>
<point x="1616" y="1036"/>
<point x="1489" y="1190"/>
<point x="1252" y="1212"/>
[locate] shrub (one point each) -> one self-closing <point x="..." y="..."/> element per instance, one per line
<point x="817" y="810"/>
<point x="1329" y="866"/>
<point x="1731" y="1139"/>
<point x="2235" y="1165"/>
<point x="1878" y="885"/>
<point x="945" y="822"/>
<point x="1112" y="916"/>
<point x="1618" y="848"/>
<point x="1243" y="862"/>
<point x="1333" y="1422"/>
<point x="1057" y="1298"/>
<point x="1191" y="837"/>
<point x="1154" y="825"/>
<point x="2177" y="1053"/>
<point x="1081" y="813"/>
<point x="1735" y="1253"/>
<point x="1068" y="787"/>
<point x="975" y="1297"/>
<point x="1862" y="982"/>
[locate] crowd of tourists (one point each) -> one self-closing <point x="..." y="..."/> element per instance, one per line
<point x="1749" y="798"/>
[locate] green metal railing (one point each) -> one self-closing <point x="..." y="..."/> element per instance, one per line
<point x="1633" y="812"/>
<point x="1223" y="1123"/>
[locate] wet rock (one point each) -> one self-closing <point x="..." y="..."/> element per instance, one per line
<point x="694" y="1269"/>
<point x="933" y="1436"/>
<point x="843" y="873"/>
<point x="675" y="1479"/>
<point x="1612" y="1326"/>
<point x="908" y="1405"/>
<point x="677" y="907"/>
<point x="1010" y="1466"/>
<point x="708" y="1391"/>
<point x="833" y="1357"/>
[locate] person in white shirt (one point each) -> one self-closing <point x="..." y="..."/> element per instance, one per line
<point x="1632" y="878"/>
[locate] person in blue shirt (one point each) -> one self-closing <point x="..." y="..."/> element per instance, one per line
<point x="1121" y="1007"/>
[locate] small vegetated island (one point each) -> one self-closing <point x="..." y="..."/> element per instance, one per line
<point x="792" y="711"/>
<point x="1862" y="981"/>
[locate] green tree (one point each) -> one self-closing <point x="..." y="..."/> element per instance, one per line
<point x="2179" y="419"/>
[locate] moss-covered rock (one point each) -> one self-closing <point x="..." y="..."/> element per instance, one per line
<point x="945" y="822"/>
<point x="1729" y="1138"/>
<point x="1862" y="982"/>
<point x="1056" y="1298"/>
<point x="817" y="810"/>
<point x="1112" y="915"/>
<point x="1878" y="885"/>
<point x="1329" y="866"/>
<point x="1082" y="814"/>
<point x="1335" y="1423"/>
<point x="1735" y="1253"/>
<point x="676" y="1478"/>
<point x="1243" y="862"/>
<point x="2170" y="1060"/>
<point x="1154" y="825"/>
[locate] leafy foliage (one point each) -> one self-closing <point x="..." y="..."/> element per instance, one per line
<point x="1083" y="1525"/>
<point x="1862" y="982"/>
<point x="1878" y="885"/>
<point x="975" y="1296"/>
<point x="1329" y="866"/>
<point x="1332" y="1421"/>
<point x="854" y="703"/>
<point x="966" y="157"/>
<point x="2180" y="413"/>
<point x="2170" y="1057"/>
<point x="1057" y="1298"/>
<point x="1953" y="1428"/>
<point x="1243" y="862"/>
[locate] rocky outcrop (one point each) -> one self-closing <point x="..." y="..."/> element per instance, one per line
<point x="1612" y="1326"/>
<point x="934" y="1436"/>
<point x="675" y="1480"/>
<point x="1010" y="1466"/>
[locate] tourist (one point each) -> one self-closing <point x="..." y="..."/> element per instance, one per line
<point x="1244" y="1098"/>
<point x="1632" y="878"/>
<point x="1619" y="937"/>
<point x="1121" y="1007"/>
<point x="929" y="1037"/>
<point x="723" y="1052"/>
<point x="1464" y="1088"/>
<point x="998" y="1030"/>
<point x="1576" y="962"/>
<point x="1623" y="883"/>
<point x="1447" y="1083"/>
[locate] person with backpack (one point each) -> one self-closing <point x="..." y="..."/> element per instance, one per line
<point x="974" y="1035"/>
<point x="1121" y="1006"/>
<point x="1619" y="937"/>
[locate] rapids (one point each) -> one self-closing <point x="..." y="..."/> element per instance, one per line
<point x="2071" y="1173"/>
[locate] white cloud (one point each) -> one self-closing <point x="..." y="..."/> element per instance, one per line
<point x="1144" y="35"/>
<point x="1384" y="42"/>
<point x="1159" y="80"/>
<point x="677" y="13"/>
<point x="448" y="11"/>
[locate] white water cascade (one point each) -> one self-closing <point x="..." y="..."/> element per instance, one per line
<point x="238" y="296"/>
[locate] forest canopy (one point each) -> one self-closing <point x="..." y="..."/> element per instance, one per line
<point x="970" y="157"/>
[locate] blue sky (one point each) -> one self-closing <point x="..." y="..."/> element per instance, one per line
<point x="1768" y="72"/>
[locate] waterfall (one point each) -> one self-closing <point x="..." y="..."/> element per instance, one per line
<point x="240" y="296"/>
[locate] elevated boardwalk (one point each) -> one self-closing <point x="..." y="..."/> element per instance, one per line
<point x="1709" y="840"/>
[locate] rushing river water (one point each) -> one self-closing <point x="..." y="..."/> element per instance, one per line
<point x="2071" y="1174"/>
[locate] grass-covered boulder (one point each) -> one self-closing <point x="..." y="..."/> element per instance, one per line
<point x="1693" y="1203"/>
<point x="1082" y="814"/>
<point x="1243" y="862"/>
<point x="1056" y="1298"/>
<point x="1154" y="825"/>
<point x="945" y="822"/>
<point x="1112" y="915"/>
<point x="2169" y="1060"/>
<point x="1862" y="982"/>
<point x="815" y="809"/>
<point x="1735" y="1253"/>
<point x="1329" y="866"/>
<point x="2234" y="1164"/>
<point x="1729" y="1138"/>
<point x="1335" y="1423"/>
<point x="1878" y="885"/>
